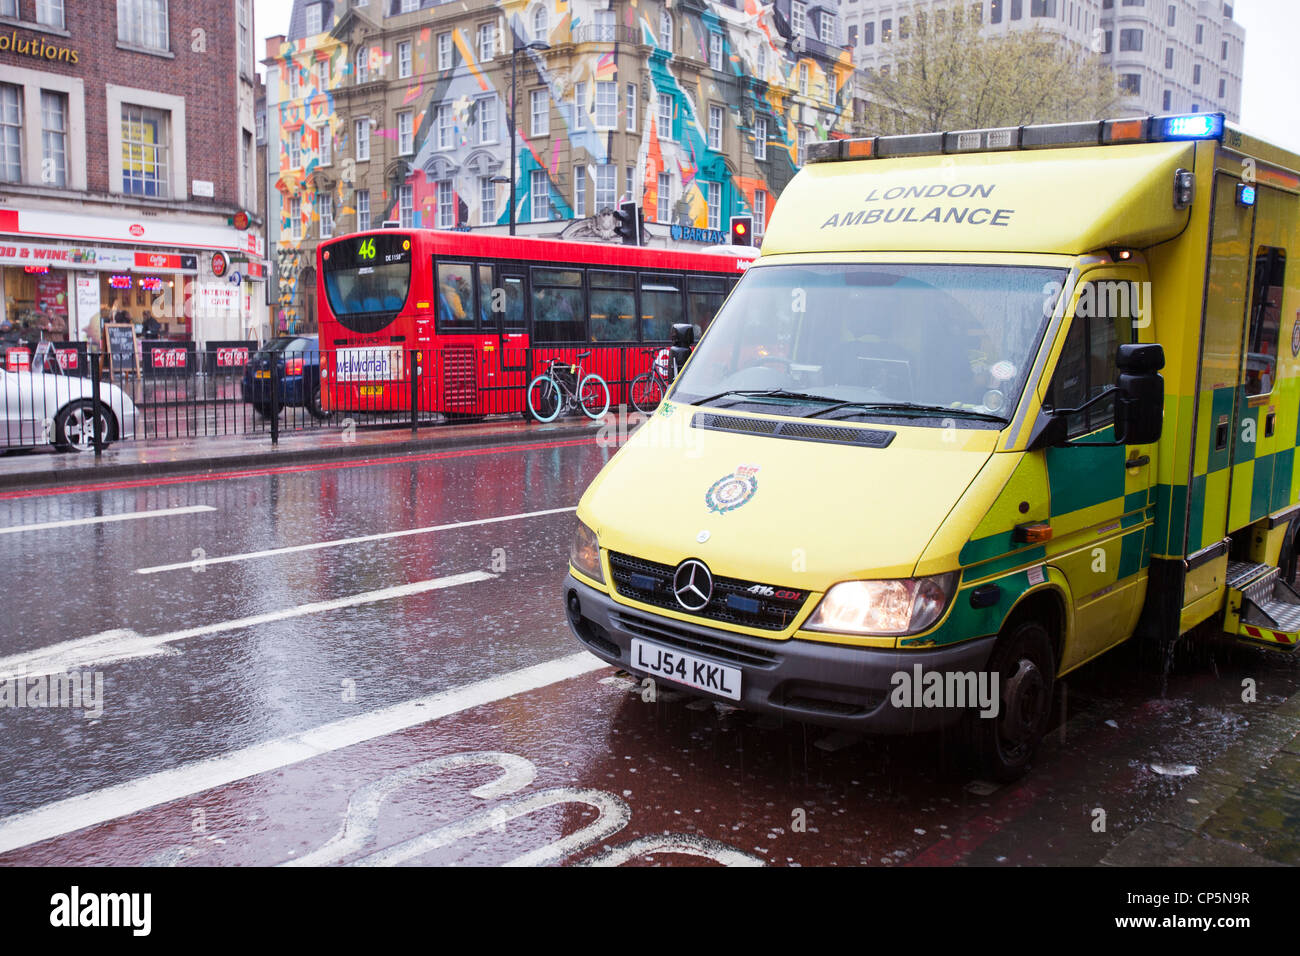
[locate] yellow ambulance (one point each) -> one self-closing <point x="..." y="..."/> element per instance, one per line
<point x="989" y="403"/>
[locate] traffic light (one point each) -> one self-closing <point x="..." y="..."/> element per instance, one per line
<point x="629" y="223"/>
<point x="742" y="228"/>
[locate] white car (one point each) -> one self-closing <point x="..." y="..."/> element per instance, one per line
<point x="44" y="405"/>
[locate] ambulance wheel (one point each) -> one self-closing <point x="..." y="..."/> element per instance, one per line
<point x="1002" y="748"/>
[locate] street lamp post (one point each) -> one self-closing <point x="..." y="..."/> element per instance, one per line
<point x="514" y="59"/>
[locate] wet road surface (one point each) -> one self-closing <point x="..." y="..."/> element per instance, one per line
<point x="370" y="665"/>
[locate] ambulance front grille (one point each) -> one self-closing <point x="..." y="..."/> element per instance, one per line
<point x="743" y="603"/>
<point x="797" y="431"/>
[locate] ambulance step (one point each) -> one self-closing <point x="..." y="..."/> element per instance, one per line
<point x="1244" y="573"/>
<point x="1269" y="613"/>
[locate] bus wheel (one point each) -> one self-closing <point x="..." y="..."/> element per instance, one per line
<point x="1002" y="747"/>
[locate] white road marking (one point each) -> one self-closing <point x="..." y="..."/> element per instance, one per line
<point x="105" y="519"/>
<point x="99" y="806"/>
<point x="121" y="644"/>
<point x="691" y="844"/>
<point x="339" y="542"/>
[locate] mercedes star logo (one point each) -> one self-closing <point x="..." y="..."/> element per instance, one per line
<point x="692" y="585"/>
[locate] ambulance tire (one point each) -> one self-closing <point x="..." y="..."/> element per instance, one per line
<point x="1002" y="748"/>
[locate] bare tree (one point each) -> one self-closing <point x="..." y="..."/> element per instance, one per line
<point x="947" y="76"/>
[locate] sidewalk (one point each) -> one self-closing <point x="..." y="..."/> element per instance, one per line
<point x="136" y="459"/>
<point x="1242" y="810"/>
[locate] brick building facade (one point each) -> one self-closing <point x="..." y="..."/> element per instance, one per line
<point x="126" y="150"/>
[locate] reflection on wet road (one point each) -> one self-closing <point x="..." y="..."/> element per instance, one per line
<point x="370" y="665"/>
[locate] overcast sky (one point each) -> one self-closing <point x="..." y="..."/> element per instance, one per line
<point x="1271" y="85"/>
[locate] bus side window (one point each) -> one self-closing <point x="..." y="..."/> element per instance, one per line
<point x="661" y="307"/>
<point x="455" y="297"/>
<point x="513" y="319"/>
<point x="487" y="321"/>
<point x="613" y="306"/>
<point x="705" y="298"/>
<point x="558" y="307"/>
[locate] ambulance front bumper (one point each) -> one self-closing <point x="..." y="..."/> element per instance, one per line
<point x="832" y="685"/>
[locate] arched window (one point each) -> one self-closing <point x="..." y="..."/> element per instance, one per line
<point x="541" y="24"/>
<point x="666" y="30"/>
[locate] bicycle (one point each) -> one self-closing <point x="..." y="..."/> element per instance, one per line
<point x="648" y="389"/>
<point x="562" y="386"/>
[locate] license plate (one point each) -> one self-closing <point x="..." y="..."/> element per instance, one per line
<point x="261" y="375"/>
<point x="375" y="390"/>
<point x="686" y="669"/>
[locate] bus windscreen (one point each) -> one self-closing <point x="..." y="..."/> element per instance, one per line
<point x="367" y="279"/>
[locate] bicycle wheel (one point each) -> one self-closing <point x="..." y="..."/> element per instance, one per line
<point x="593" y="395"/>
<point x="646" y="393"/>
<point x="544" y="399"/>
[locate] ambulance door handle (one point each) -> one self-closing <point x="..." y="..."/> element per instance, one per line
<point x="1268" y="424"/>
<point x="1138" y="462"/>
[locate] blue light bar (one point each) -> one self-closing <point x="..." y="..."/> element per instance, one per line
<point x="1245" y="194"/>
<point x="1192" y="126"/>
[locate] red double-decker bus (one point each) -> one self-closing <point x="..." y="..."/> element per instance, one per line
<point x="477" y="316"/>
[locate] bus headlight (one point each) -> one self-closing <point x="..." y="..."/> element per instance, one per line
<point x="584" y="554"/>
<point x="884" y="608"/>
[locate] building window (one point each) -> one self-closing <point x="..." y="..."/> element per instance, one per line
<point x="295" y="149"/>
<point x="444" y="51"/>
<point x="487" y="201"/>
<point x="666" y="115"/>
<point x="54" y="138"/>
<point x="146" y="152"/>
<point x="1016" y="9"/>
<point x="540" y="195"/>
<point x="579" y="106"/>
<point x="314" y="19"/>
<point x="629" y="175"/>
<point x="995" y="11"/>
<point x="295" y="79"/>
<point x="325" y="145"/>
<point x="1108" y="42"/>
<point x="541" y="30"/>
<point x="664" y="198"/>
<point x="1223" y="88"/>
<point x="295" y="217"/>
<point x="1167" y="103"/>
<point x="1224" y="54"/>
<point x="868" y="33"/>
<point x="605" y="26"/>
<point x="487" y="120"/>
<point x="410" y="6"/>
<point x="631" y="107"/>
<point x="540" y="112"/>
<point x="853" y="35"/>
<point x="49" y="13"/>
<point x="760" y="66"/>
<point x="487" y="41"/>
<point x="1200" y="33"/>
<point x="976" y="13"/>
<point x="715" y="127"/>
<point x="760" y="137"/>
<point x="714" y="201"/>
<point x="1042" y="8"/>
<point x="715" y="51"/>
<point x="363" y="209"/>
<point x="1130" y="83"/>
<point x="9" y="8"/>
<point x="405" y="133"/>
<point x="904" y="28"/>
<point x="579" y="191"/>
<point x="760" y="213"/>
<point x="143" y="23"/>
<point x="798" y="18"/>
<point x="803" y="79"/>
<point x="362" y="67"/>
<point x="244" y="16"/>
<point x="1196" y="75"/>
<point x="1169" y="58"/>
<point x="363" y="140"/>
<point x="827" y="24"/>
<point x="322" y="75"/>
<point x="445" y="127"/>
<point x="666" y="30"/>
<point x="325" y="209"/>
<point x="606" y="105"/>
<point x="406" y="205"/>
<point x="801" y="146"/>
<point x="404" y="59"/>
<point x="1130" y="40"/>
<point x="1172" y="19"/>
<point x="259" y="124"/>
<point x="606" y="186"/>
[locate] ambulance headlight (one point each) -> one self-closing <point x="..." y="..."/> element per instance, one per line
<point x="584" y="554"/>
<point x="884" y="608"/>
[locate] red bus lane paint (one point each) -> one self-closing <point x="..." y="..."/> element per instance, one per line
<point x="289" y="469"/>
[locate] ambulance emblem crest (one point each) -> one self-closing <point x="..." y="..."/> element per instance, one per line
<point x="731" y="491"/>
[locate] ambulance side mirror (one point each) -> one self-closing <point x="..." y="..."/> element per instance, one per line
<point x="1140" y="404"/>
<point x="683" y="339"/>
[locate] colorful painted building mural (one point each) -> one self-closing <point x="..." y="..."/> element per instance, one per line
<point x="400" y="110"/>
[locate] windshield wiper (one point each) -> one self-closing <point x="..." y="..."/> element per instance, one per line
<point x="907" y="407"/>
<point x="763" y="393"/>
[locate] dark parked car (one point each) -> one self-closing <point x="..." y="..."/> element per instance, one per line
<point x="294" y="362"/>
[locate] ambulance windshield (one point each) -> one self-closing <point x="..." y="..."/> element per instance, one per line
<point x="960" y="337"/>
